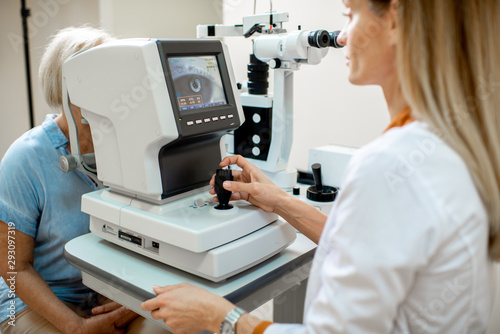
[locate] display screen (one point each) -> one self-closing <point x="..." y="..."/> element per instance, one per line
<point x="197" y="82"/>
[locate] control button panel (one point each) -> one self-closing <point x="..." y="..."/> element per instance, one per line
<point x="209" y="119"/>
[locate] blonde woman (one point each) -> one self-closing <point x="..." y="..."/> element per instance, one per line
<point x="409" y="246"/>
<point x="40" y="211"/>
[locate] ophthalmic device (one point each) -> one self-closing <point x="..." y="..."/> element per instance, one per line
<point x="266" y="137"/>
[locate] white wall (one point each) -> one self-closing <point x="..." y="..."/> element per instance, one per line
<point x="47" y="16"/>
<point x="158" y="18"/>
<point x="14" y="117"/>
<point x="328" y="109"/>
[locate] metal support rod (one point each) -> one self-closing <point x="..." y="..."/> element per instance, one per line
<point x="25" y="13"/>
<point x="289" y="306"/>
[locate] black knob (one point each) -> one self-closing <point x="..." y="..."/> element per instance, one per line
<point x="318" y="192"/>
<point x="328" y="194"/>
<point x="296" y="190"/>
<point x="316" y="169"/>
<point x="223" y="195"/>
<point x="275" y="63"/>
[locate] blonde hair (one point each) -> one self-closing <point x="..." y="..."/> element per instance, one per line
<point x="62" y="45"/>
<point x="449" y="66"/>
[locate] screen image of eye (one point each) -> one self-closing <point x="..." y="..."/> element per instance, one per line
<point x="188" y="85"/>
<point x="196" y="84"/>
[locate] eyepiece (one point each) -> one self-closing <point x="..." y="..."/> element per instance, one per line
<point x="319" y="39"/>
<point x="333" y="39"/>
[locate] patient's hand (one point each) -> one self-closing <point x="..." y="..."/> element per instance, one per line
<point x="108" y="318"/>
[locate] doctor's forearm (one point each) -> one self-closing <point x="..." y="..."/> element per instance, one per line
<point x="304" y="217"/>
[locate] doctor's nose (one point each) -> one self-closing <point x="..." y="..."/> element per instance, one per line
<point x="342" y="37"/>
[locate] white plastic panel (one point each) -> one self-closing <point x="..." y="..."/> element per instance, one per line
<point x="219" y="263"/>
<point x="98" y="204"/>
<point x="180" y="223"/>
<point x="196" y="229"/>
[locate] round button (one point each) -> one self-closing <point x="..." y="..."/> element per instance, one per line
<point x="256" y="139"/>
<point x="256" y="118"/>
<point x="256" y="151"/>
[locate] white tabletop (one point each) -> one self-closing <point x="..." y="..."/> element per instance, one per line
<point x="135" y="274"/>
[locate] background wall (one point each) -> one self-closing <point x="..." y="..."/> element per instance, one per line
<point x="47" y="16"/>
<point x="328" y="109"/>
<point x="158" y="18"/>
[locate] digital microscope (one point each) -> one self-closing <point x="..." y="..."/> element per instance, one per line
<point x="158" y="110"/>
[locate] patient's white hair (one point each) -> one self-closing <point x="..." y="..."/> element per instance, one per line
<point x="61" y="46"/>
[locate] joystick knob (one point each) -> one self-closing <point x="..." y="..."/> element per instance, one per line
<point x="316" y="169"/>
<point x="319" y="192"/>
<point x="223" y="195"/>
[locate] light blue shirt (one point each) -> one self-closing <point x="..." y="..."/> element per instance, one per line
<point x="44" y="203"/>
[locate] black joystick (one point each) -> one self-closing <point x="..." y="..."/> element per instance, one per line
<point x="319" y="192"/>
<point x="223" y="195"/>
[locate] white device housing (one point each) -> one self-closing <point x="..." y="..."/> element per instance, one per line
<point x="334" y="159"/>
<point x="148" y="146"/>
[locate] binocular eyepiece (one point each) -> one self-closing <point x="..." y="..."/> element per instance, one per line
<point x="323" y="39"/>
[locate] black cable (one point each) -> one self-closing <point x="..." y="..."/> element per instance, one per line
<point x="25" y="13"/>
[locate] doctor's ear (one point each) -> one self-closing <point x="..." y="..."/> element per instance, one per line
<point x="393" y="17"/>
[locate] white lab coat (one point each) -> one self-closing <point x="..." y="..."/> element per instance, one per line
<point x="405" y="248"/>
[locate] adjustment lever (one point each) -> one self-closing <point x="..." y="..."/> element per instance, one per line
<point x="223" y="195"/>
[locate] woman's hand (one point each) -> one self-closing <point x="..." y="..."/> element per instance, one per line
<point x="108" y="318"/>
<point x="109" y="307"/>
<point x="188" y="309"/>
<point x="253" y="186"/>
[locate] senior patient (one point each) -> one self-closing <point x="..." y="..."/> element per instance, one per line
<point x="403" y="251"/>
<point x="40" y="212"/>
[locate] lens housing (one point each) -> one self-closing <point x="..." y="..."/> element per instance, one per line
<point x="258" y="74"/>
<point x="319" y="39"/>
<point x="333" y="39"/>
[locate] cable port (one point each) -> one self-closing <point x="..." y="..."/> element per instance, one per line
<point x="155" y="244"/>
<point x="129" y="237"/>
